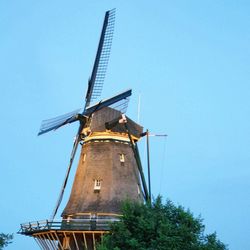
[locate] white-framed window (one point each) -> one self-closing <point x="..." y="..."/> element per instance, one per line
<point x="122" y="157"/>
<point x="97" y="185"/>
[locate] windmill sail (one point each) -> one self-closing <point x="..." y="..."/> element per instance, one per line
<point x="108" y="102"/>
<point x="121" y="105"/>
<point x="56" y="122"/>
<point x="102" y="57"/>
<point x="118" y="101"/>
<point x="96" y="80"/>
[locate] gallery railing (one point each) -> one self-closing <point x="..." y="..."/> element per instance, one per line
<point x="89" y="224"/>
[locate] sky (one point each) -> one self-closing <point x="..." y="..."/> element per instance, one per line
<point x="189" y="63"/>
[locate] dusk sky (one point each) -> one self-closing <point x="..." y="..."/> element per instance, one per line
<point x="189" y="61"/>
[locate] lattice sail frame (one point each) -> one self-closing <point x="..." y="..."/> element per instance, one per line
<point x="96" y="81"/>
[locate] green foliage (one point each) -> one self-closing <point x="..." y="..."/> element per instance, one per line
<point x="158" y="227"/>
<point x="5" y="240"/>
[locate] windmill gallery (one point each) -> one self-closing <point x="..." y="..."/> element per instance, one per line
<point x="109" y="168"/>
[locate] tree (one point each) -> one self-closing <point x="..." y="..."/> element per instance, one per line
<point x="158" y="227"/>
<point x="5" y="240"/>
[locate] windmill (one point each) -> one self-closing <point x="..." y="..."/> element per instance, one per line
<point x="109" y="168"/>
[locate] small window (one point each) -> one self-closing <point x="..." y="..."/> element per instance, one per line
<point x="97" y="185"/>
<point x="83" y="157"/>
<point x="122" y="158"/>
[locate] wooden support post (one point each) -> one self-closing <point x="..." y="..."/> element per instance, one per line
<point x="93" y="234"/>
<point x="85" y="241"/>
<point x="75" y="241"/>
<point x="66" y="239"/>
<point x="38" y="242"/>
<point x="59" y="242"/>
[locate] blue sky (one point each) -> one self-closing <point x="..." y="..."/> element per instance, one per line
<point x="189" y="62"/>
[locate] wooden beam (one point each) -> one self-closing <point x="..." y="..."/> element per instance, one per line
<point x="75" y="241"/>
<point x="59" y="242"/>
<point x="85" y="241"/>
<point x="38" y="242"/>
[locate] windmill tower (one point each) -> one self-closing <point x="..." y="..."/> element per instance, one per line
<point x="109" y="168"/>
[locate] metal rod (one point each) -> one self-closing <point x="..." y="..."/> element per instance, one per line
<point x="141" y="173"/>
<point x="138" y="161"/>
<point x="161" y="135"/>
<point x="148" y="160"/>
<point x="139" y="108"/>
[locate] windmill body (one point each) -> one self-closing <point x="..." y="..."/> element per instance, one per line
<point x="109" y="169"/>
<point x="107" y="172"/>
